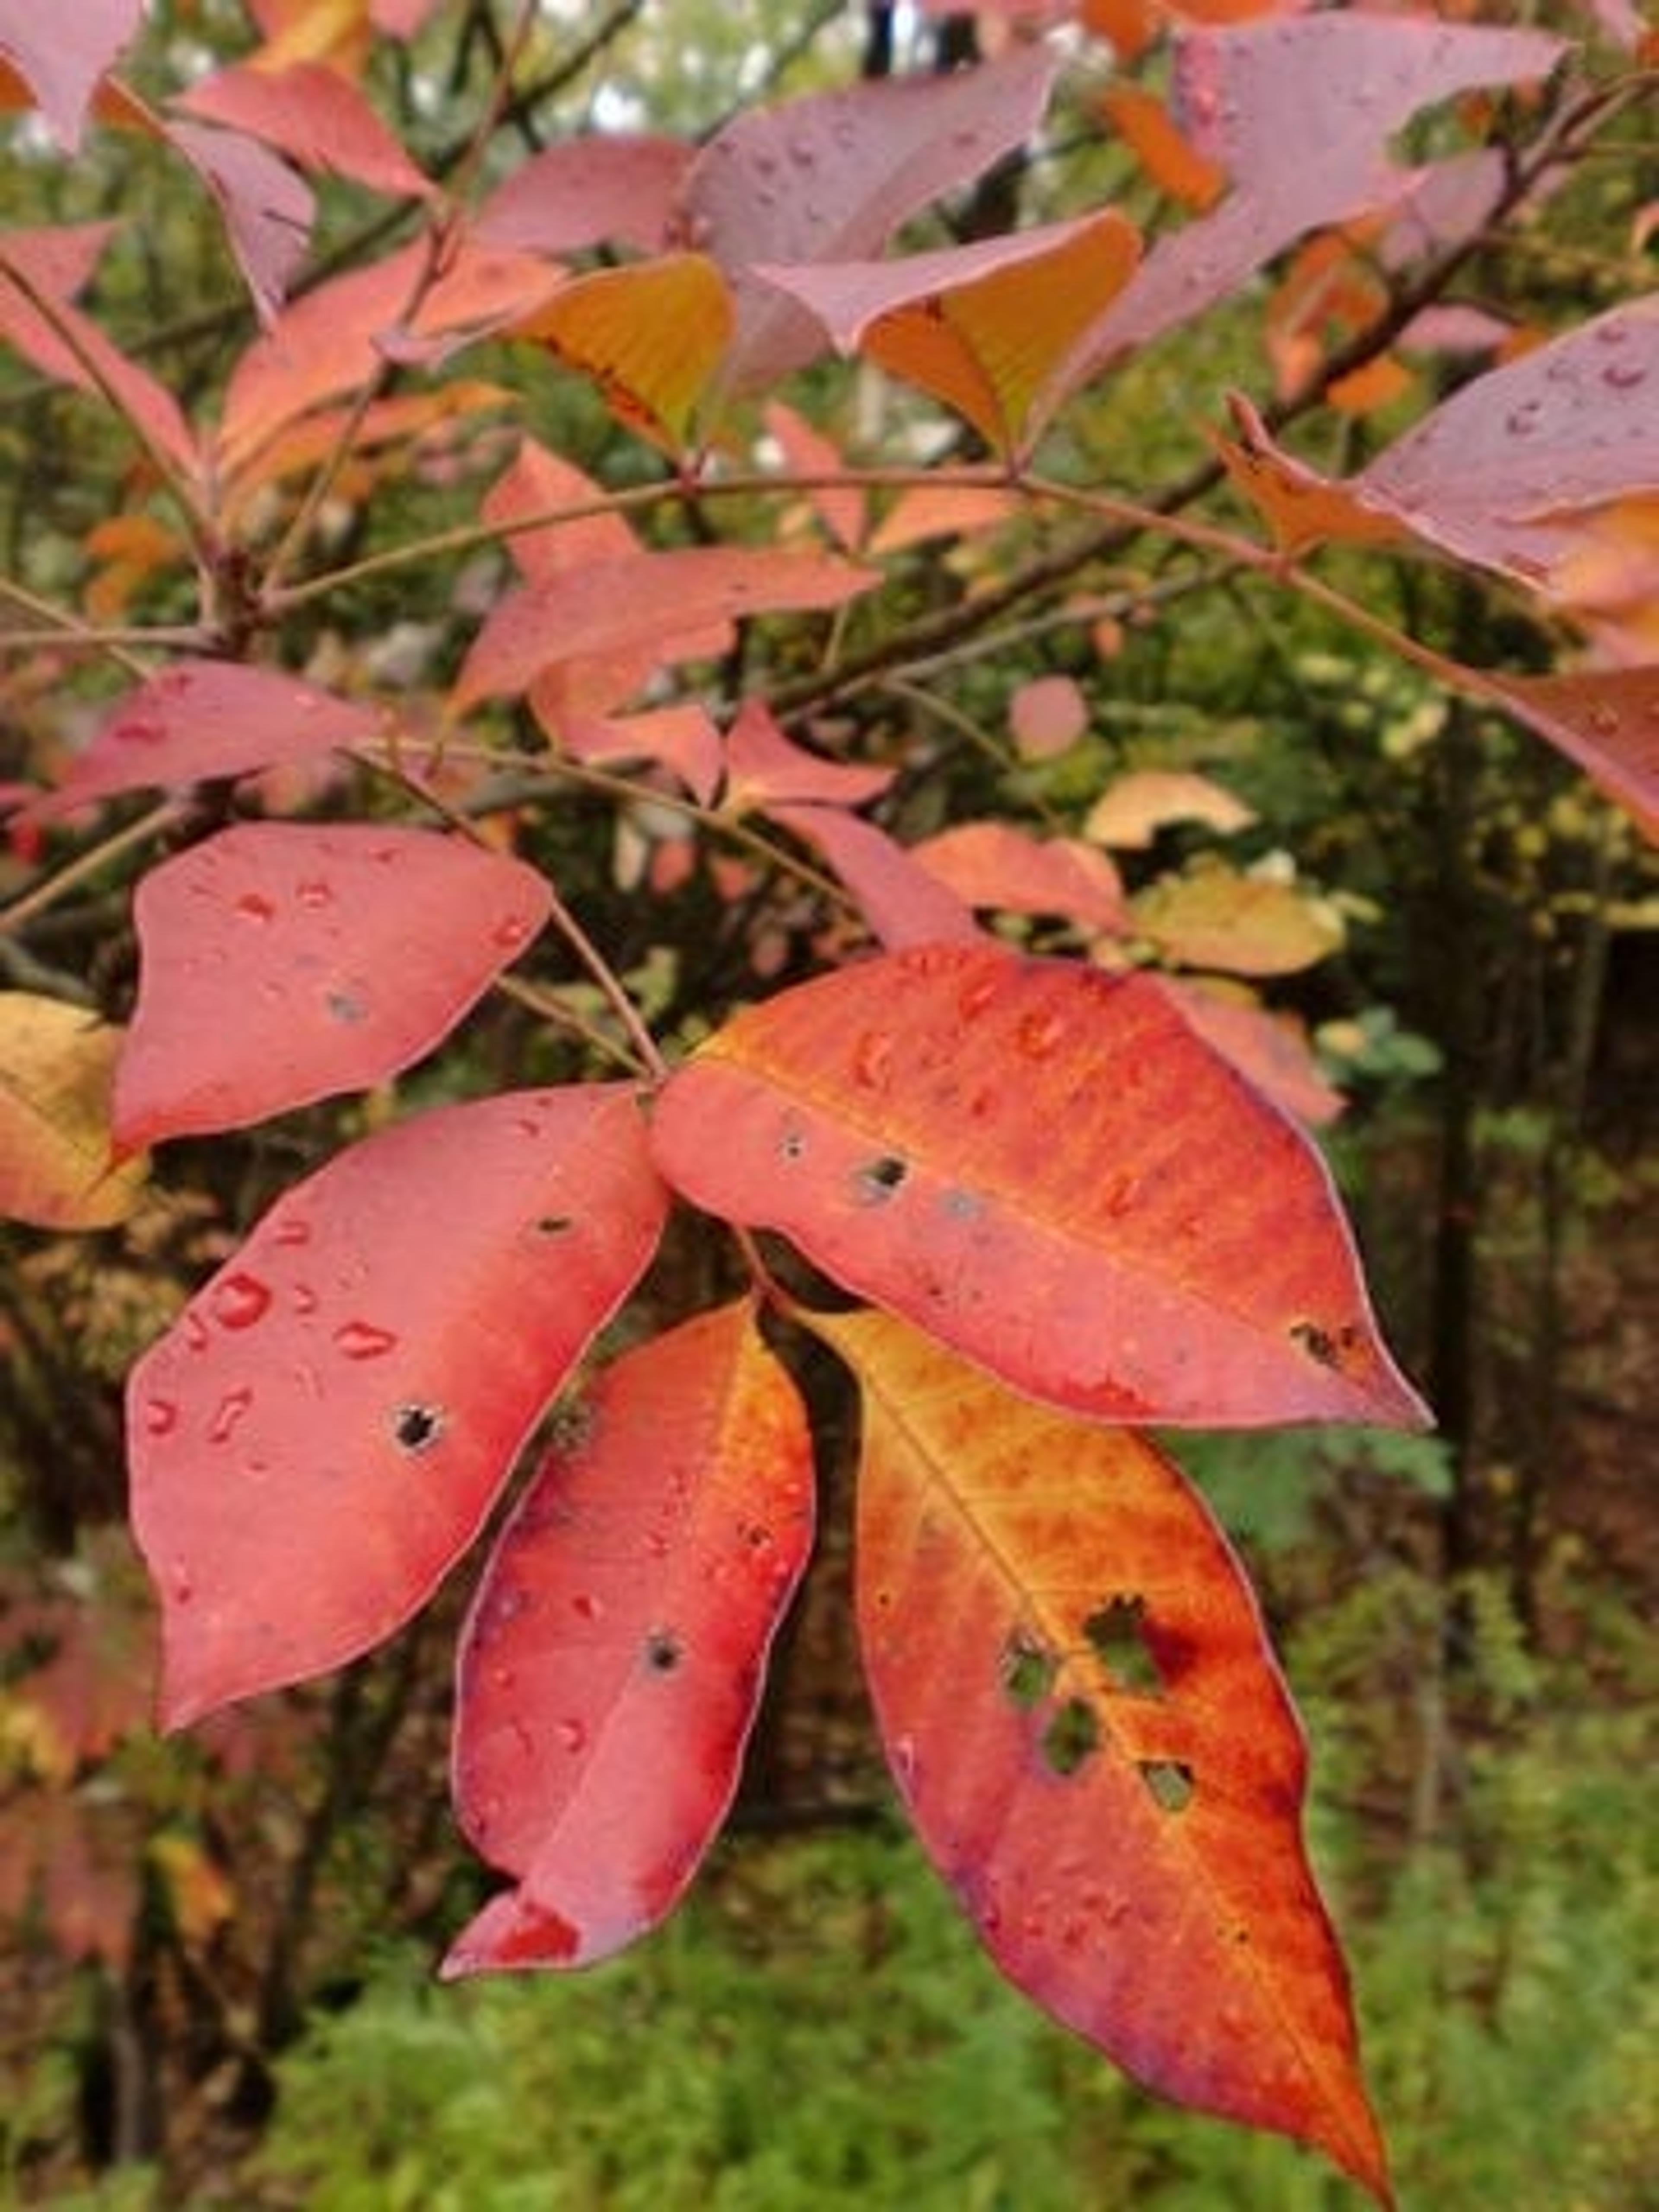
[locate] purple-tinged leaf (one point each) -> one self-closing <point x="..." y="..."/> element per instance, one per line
<point x="63" y="52"/>
<point x="588" y="191"/>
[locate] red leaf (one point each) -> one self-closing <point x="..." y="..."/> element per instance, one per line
<point x="1272" y="1049"/>
<point x="201" y="719"/>
<point x="611" y="1666"/>
<point x="831" y="177"/>
<point x="683" y="739"/>
<point x="992" y="863"/>
<point x="280" y="962"/>
<point x="63" y="52"/>
<point x="764" y="767"/>
<point x="842" y="509"/>
<point x="312" y="114"/>
<point x="1087" y="1723"/>
<point x="902" y="901"/>
<point x="323" y="1430"/>
<point x="56" y="263"/>
<point x="668" y="600"/>
<point x="1043" y="1166"/>
<point x="588" y="191"/>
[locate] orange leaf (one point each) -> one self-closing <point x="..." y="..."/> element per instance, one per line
<point x="58" y="1168"/>
<point x="1147" y="126"/>
<point x="986" y="346"/>
<point x="1042" y="1165"/>
<point x="1083" y="1716"/>
<point x="1133" y="808"/>
<point x="611" y="1665"/>
<point x="651" y="338"/>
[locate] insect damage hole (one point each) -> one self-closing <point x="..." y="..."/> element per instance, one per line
<point x="1116" y="1633"/>
<point x="1072" y="1736"/>
<point x="876" y="1181"/>
<point x="1168" y="1783"/>
<point x="417" y="1428"/>
<point x="1028" y="1672"/>
<point x="662" y="1652"/>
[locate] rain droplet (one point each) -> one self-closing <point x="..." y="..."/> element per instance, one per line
<point x="231" y="1411"/>
<point x="1041" y="1032"/>
<point x="904" y="1760"/>
<point x="362" y="1340"/>
<point x="252" y="907"/>
<point x="573" y="1735"/>
<point x="511" y="931"/>
<point x="1624" y="375"/>
<point x="181" y="1586"/>
<point x="239" y="1301"/>
<point x="587" y="1606"/>
<point x="314" y="893"/>
<point x="160" y="1417"/>
<point x="289" y="1229"/>
<point x="872" y="1059"/>
<point x="138" y="732"/>
<point x="303" y="1298"/>
<point x="196" y="1336"/>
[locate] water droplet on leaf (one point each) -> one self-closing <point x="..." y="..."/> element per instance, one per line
<point x="362" y="1340"/>
<point x="231" y="1411"/>
<point x="239" y="1301"/>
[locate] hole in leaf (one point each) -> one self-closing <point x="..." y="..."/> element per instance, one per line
<point x="877" y="1181"/>
<point x="1168" y="1783"/>
<point x="1071" y="1737"/>
<point x="1028" y="1672"/>
<point x="417" y="1428"/>
<point x="1323" y="1347"/>
<point x="663" y="1653"/>
<point x="1116" y="1634"/>
<point x="792" y="1145"/>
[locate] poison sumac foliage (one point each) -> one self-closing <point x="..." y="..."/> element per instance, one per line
<point x="1075" y="1195"/>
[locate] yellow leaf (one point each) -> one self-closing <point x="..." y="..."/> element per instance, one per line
<point x="57" y="1169"/>
<point x="1213" y="917"/>
<point x="988" y="347"/>
<point x="650" y="335"/>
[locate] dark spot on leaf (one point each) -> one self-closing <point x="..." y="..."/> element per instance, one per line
<point x="663" y="1653"/>
<point x="417" y="1428"/>
<point x="1116" y="1634"/>
<point x="1071" y="1737"/>
<point x="554" y="1225"/>
<point x="1323" y="1346"/>
<point x="876" y="1181"/>
<point x="1028" y="1672"/>
<point x="346" y="1007"/>
<point x="792" y="1145"/>
<point x="961" y="1204"/>
<point x="1168" y="1783"/>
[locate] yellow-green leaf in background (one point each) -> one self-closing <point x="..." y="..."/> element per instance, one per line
<point x="57" y="1169"/>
